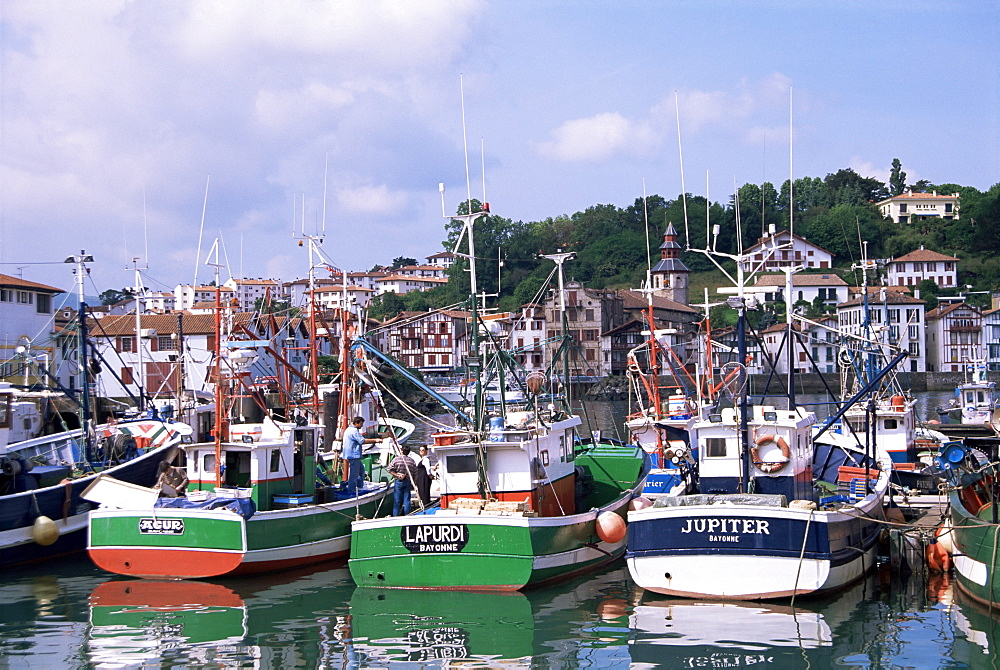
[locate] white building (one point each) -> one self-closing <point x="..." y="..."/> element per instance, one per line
<point x="916" y="266"/>
<point x="785" y="250"/>
<point x="160" y="302"/>
<point x="402" y="284"/>
<point x="186" y="296"/>
<point x="26" y="320"/>
<point x="442" y="259"/>
<point x="332" y="297"/>
<point x="814" y="347"/>
<point x="991" y="338"/>
<point x="420" y="271"/>
<point x="892" y="317"/>
<point x="828" y="288"/>
<point x="907" y="207"/>
<point x="527" y="338"/>
<point x="160" y="346"/>
<point x="954" y="337"/>
<point x="248" y="291"/>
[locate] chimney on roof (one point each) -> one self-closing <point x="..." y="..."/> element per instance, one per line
<point x="921" y="247"/>
<point x="934" y="192"/>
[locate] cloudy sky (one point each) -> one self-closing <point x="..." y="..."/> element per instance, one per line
<point x="116" y="115"/>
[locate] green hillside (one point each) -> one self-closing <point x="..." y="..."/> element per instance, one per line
<point x="836" y="212"/>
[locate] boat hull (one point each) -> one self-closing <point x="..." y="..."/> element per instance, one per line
<point x="63" y="504"/>
<point x="183" y="543"/>
<point x="748" y="553"/>
<point x="976" y="543"/>
<point x="482" y="552"/>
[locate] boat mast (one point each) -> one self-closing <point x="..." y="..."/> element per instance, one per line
<point x="221" y="431"/>
<point x="80" y="271"/>
<point x="560" y="258"/>
<point x="139" y="368"/>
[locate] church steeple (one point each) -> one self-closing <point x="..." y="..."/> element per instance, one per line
<point x="670" y="275"/>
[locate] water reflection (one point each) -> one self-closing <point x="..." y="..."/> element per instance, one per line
<point x="136" y="621"/>
<point x="696" y="634"/>
<point x="478" y="629"/>
<point x="69" y="614"/>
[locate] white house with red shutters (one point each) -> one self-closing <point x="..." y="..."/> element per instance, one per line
<point x="954" y="337"/>
<point x="907" y="207"/>
<point x="916" y="266"/>
<point x="785" y="249"/>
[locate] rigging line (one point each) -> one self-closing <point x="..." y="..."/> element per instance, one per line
<point x="680" y="153"/>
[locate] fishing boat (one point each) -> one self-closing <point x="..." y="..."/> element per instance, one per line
<point x="667" y="411"/>
<point x="42" y="477"/>
<point x="777" y="512"/>
<point x="885" y="414"/>
<point x="254" y="501"/>
<point x="978" y="400"/>
<point x="975" y="525"/>
<point x="42" y="511"/>
<point x="521" y="502"/>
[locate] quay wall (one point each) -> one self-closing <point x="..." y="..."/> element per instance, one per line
<point x="616" y="387"/>
<point x="918" y="381"/>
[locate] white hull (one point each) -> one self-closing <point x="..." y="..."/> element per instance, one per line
<point x="745" y="577"/>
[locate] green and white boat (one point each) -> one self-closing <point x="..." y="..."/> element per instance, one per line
<point x="975" y="521"/>
<point x="266" y="512"/>
<point x="522" y="500"/>
<point x="255" y="500"/>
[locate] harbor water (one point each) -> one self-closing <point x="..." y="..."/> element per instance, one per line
<point x="69" y="614"/>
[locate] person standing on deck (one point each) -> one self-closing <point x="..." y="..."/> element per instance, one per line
<point x="353" y="441"/>
<point x="422" y="476"/>
<point x="402" y="469"/>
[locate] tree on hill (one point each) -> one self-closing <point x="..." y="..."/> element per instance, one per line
<point x="897" y="178"/>
<point x="402" y="261"/>
<point x="847" y="187"/>
<point x="112" y="296"/>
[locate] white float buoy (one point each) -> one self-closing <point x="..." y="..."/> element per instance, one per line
<point x="943" y="534"/>
<point x="44" y="531"/>
<point x="640" y="502"/>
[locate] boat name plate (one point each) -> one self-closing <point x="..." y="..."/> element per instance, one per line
<point x="149" y="526"/>
<point x="434" y="538"/>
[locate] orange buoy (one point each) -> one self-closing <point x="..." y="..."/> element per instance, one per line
<point x="640" y="502"/>
<point x="610" y="527"/>
<point x="938" y="559"/>
<point x="943" y="535"/>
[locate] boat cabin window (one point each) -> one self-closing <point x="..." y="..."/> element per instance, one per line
<point x="970" y="397"/>
<point x="275" y="460"/>
<point x="982" y="396"/>
<point x="5" y="410"/>
<point x="237" y="468"/>
<point x="305" y="441"/>
<point x="208" y="463"/>
<point x="715" y="447"/>
<point x="456" y="464"/>
<point x="859" y="426"/>
<point x="891" y="424"/>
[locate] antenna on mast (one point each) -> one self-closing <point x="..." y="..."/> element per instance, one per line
<point x="201" y="231"/>
<point x="326" y="172"/>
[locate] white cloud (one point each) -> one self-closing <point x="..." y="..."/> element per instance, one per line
<point x="869" y="169"/>
<point x="612" y="134"/>
<point x="597" y="138"/>
<point x="371" y="199"/>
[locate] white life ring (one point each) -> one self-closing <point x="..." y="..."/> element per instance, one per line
<point x="770" y="467"/>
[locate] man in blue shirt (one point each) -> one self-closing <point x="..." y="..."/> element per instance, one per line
<point x="353" y="441"/>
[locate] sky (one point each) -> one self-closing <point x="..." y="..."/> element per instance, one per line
<point x="141" y="132"/>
